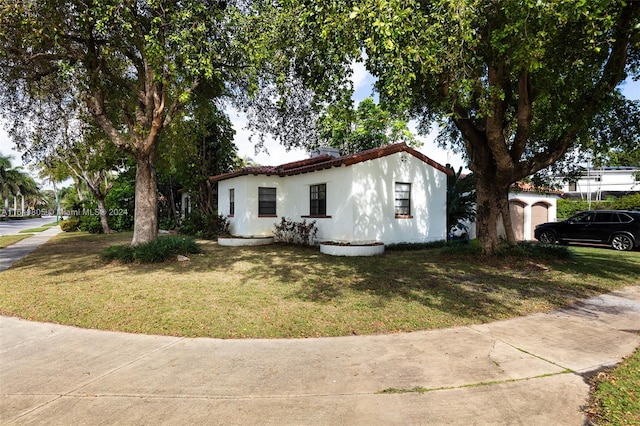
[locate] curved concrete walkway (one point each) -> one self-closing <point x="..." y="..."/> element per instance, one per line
<point x="524" y="371"/>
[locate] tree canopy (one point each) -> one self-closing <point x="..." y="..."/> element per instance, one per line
<point x="517" y="84"/>
<point x="358" y="129"/>
<point x="133" y="64"/>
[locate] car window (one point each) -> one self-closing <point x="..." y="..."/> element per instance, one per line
<point x="582" y="217"/>
<point x="607" y="217"/>
<point x="625" y="218"/>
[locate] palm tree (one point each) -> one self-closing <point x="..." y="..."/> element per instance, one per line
<point x="8" y="187"/>
<point x="14" y="182"/>
<point x="461" y="199"/>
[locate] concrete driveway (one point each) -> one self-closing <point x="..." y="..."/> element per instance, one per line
<point x="524" y="371"/>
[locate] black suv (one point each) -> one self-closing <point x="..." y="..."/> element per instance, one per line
<point x="620" y="229"/>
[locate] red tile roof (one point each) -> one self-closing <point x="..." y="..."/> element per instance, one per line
<point x="327" y="161"/>
<point x="530" y="187"/>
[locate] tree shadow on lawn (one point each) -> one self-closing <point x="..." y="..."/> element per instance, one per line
<point x="463" y="286"/>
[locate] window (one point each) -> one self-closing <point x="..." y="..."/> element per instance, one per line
<point x="403" y="199"/>
<point x="318" y="200"/>
<point x="232" y="202"/>
<point x="606" y="217"/>
<point x="573" y="186"/>
<point x="266" y="201"/>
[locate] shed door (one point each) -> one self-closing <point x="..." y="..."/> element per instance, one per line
<point x="517" y="219"/>
<point x="539" y="214"/>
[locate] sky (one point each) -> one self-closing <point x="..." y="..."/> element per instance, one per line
<point x="276" y="154"/>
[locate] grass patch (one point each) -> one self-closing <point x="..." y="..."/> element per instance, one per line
<point x="7" y="240"/>
<point x="615" y="398"/>
<point x="288" y="291"/>
<point x="33" y="230"/>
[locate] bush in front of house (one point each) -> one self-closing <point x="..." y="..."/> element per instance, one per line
<point x="302" y="233"/>
<point x="70" y="225"/>
<point x="157" y="251"/>
<point x="205" y="226"/>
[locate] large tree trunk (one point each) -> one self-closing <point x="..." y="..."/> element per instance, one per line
<point x="493" y="201"/>
<point x="145" y="227"/>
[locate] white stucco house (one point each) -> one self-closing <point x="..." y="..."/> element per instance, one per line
<point x="391" y="194"/>
<point x="598" y="183"/>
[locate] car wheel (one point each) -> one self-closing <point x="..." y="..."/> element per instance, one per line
<point x="622" y="242"/>
<point x="547" y="237"/>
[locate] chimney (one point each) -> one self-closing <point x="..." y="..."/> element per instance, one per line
<point x="326" y="150"/>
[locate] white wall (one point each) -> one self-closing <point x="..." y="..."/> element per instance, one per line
<point x="338" y="224"/>
<point x="598" y="180"/>
<point x="374" y="200"/>
<point x="245" y="221"/>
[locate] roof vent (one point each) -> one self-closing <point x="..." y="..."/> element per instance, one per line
<point x="326" y="150"/>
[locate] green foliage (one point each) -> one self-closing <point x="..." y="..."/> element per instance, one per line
<point x="70" y="225"/>
<point x="415" y="246"/>
<point x="71" y="60"/>
<point x="616" y="399"/>
<point x="14" y="181"/>
<point x="355" y="130"/>
<point x="159" y="250"/>
<point x="195" y="149"/>
<point x="533" y="251"/>
<point x="91" y="224"/>
<point x="207" y="226"/>
<point x="291" y="232"/>
<point x="458" y="248"/>
<point x="522" y="251"/>
<point x="567" y="208"/>
<point x="491" y="72"/>
<point x="119" y="253"/>
<point x="121" y="198"/>
<point x="629" y="202"/>
<point x="461" y="198"/>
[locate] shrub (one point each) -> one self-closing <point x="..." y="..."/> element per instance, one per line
<point x="533" y="250"/>
<point x="205" y="226"/>
<point x="417" y="246"/>
<point x="291" y="232"/>
<point x="159" y="250"/>
<point x="70" y="225"/>
<point x="567" y="208"/>
<point x="91" y="224"/>
<point x="121" y="253"/>
<point x="629" y="202"/>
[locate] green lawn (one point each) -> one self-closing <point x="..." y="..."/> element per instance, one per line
<point x="285" y="291"/>
<point x="616" y="399"/>
<point x="33" y="230"/>
<point x="7" y="240"/>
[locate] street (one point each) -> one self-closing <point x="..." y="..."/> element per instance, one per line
<point x="11" y="227"/>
